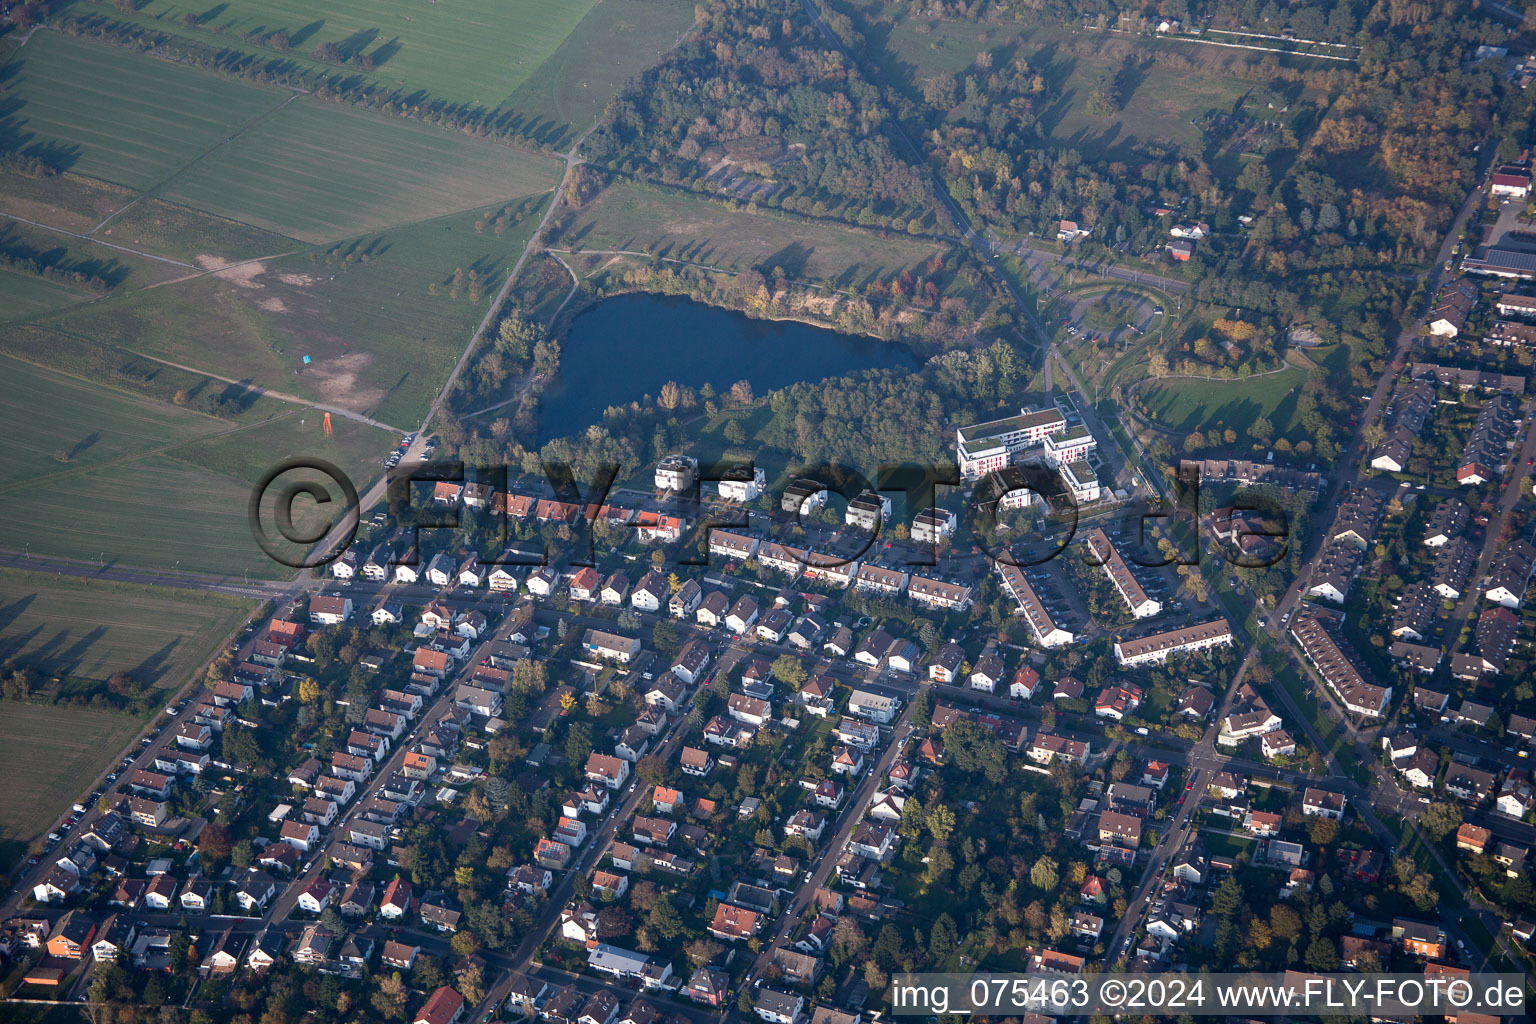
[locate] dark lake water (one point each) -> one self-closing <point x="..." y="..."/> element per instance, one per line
<point x="630" y="345"/>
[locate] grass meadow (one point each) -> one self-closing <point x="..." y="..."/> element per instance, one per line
<point x="380" y="340"/>
<point x="23" y="296"/>
<point x="1159" y="101"/>
<point x="147" y="483"/>
<point x="663" y="222"/>
<point x="1187" y="405"/>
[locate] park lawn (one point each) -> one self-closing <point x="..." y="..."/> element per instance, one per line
<point x="116" y="114"/>
<point x="472" y="52"/>
<point x="322" y="172"/>
<point x="1186" y="405"/>
<point x="615" y="41"/>
<point x="22" y="295"/>
<point x="156" y="512"/>
<point x="192" y="236"/>
<point x="44" y="413"/>
<point x="48" y="755"/>
<point x="70" y="202"/>
<point x="379" y="341"/>
<point x="87" y="629"/>
<point x="666" y="222"/>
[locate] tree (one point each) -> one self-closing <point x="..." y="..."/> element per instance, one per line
<point x="1440" y="819"/>
<point x="664" y="919"/>
<point x="651" y="769"/>
<point x="941" y="822"/>
<point x="789" y="670"/>
<point x="242" y="854"/>
<point x="309" y="691"/>
<point x="578" y="743"/>
<point x="213" y="844"/>
<point x="942" y="937"/>
<point x="1043" y="875"/>
<point x="702" y="951"/>
<point x="1322" y="955"/>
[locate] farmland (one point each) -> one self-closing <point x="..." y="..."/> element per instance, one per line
<point x="288" y="174"/>
<point x="628" y="216"/>
<point x="571" y="87"/>
<point x="86" y="630"/>
<point x="474" y="52"/>
<point x="47" y="754"/>
<point x="116" y="115"/>
<point x="127" y="454"/>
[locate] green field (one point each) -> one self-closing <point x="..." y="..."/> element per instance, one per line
<point x="49" y="755"/>
<point x="662" y="222"/>
<point x="380" y="342"/>
<point x="473" y="51"/>
<point x="118" y="115"/>
<point x="323" y="172"/>
<point x="549" y="66"/>
<point x="1187" y="405"/>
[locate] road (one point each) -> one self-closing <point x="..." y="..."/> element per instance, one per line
<point x="831" y="849"/>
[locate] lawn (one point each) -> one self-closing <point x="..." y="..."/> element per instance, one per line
<point x="665" y="222"/>
<point x="379" y="339"/>
<point x="115" y="114"/>
<point x="473" y="51"/>
<point x="323" y="172"/>
<point x="88" y="629"/>
<point x="1185" y="405"/>
<point x="48" y="755"/>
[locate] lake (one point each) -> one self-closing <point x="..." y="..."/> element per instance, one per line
<point x="630" y="345"/>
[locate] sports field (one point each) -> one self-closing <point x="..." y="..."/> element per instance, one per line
<point x="663" y="222"/>
<point x="119" y="115"/>
<point x="47" y="756"/>
<point x="325" y="172"/>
